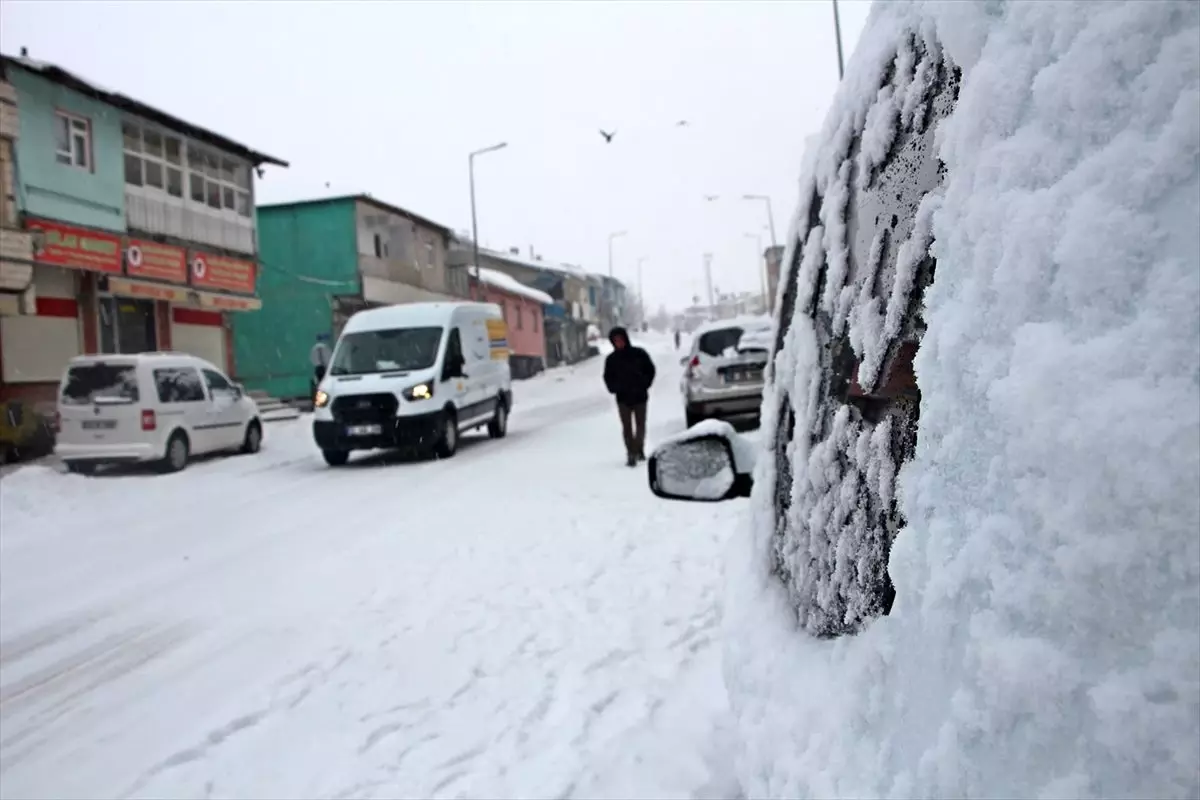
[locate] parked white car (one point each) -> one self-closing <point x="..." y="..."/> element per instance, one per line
<point x="723" y="375"/>
<point x="150" y="407"/>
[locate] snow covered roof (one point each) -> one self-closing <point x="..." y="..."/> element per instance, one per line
<point x="507" y="283"/>
<point x="57" y="74"/>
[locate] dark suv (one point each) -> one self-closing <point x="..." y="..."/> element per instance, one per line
<point x="977" y="495"/>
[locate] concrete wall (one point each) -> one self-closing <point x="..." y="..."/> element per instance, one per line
<point x="93" y="197"/>
<point x="401" y="250"/>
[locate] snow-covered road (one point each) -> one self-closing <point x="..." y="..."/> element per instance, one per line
<point x="524" y="619"/>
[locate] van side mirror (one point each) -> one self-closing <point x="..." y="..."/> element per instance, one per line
<point x="702" y="465"/>
<point x="454" y="368"/>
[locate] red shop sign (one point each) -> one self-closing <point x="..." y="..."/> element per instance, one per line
<point x="160" y="262"/>
<point x="77" y="248"/>
<point x="218" y="272"/>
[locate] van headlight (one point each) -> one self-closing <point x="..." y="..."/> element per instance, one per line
<point x="422" y="391"/>
<point x="321" y="399"/>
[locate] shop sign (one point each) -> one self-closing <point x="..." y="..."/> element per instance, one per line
<point x="76" y="248"/>
<point x="160" y="262"/>
<point x="147" y="291"/>
<point x="224" y="302"/>
<point x="218" y="272"/>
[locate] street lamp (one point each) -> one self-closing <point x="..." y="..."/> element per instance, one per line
<point x="770" y="214"/>
<point x="759" y="254"/>
<point x="611" y="237"/>
<point x="837" y="32"/>
<point x="474" y="224"/>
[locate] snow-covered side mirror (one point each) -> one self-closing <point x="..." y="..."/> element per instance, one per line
<point x="702" y="464"/>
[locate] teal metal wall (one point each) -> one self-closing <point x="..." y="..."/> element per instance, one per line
<point x="45" y="188"/>
<point x="309" y="255"/>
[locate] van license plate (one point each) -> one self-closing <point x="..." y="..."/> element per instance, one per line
<point x="99" y="424"/>
<point x="363" y="430"/>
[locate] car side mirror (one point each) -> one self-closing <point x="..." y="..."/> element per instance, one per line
<point x="239" y="390"/>
<point x="701" y="466"/>
<point x="454" y="369"/>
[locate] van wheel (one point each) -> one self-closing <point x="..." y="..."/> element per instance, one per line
<point x="178" y="452"/>
<point x="336" y="458"/>
<point x="447" y="441"/>
<point x="253" y="441"/>
<point x="81" y="468"/>
<point x="498" y="427"/>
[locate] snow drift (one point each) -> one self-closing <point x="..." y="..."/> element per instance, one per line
<point x="1045" y="638"/>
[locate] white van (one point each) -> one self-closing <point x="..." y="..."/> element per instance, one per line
<point x="414" y="375"/>
<point x="159" y="407"/>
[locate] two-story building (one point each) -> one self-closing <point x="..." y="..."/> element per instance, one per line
<point x="143" y="225"/>
<point x="323" y="260"/>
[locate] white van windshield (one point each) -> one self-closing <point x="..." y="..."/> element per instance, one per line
<point x="394" y="350"/>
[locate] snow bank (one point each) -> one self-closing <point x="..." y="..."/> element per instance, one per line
<point x="507" y="283"/>
<point x="1045" y="639"/>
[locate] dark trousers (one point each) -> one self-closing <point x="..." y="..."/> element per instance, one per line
<point x="633" y="427"/>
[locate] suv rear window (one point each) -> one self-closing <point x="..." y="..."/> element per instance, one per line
<point x="714" y="343"/>
<point x="91" y="383"/>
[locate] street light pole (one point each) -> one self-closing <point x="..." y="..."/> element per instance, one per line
<point x="770" y="213"/>
<point x="641" y="297"/>
<point x="474" y="224"/>
<point x="760" y="261"/>
<point x="611" y="237"/>
<point x="837" y="32"/>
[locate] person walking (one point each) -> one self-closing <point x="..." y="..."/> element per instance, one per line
<point x="629" y="374"/>
<point x="677" y="339"/>
<point x="319" y="356"/>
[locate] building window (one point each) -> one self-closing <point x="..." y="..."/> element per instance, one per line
<point x="430" y="250"/>
<point x="73" y="140"/>
<point x="127" y="326"/>
<point x="520" y="317"/>
<point x="380" y="247"/>
<point x="535" y="316"/>
<point x="158" y="160"/>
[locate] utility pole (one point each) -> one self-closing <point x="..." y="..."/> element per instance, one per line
<point x="837" y="32"/>
<point x="770" y="213"/>
<point x="641" y="297"/>
<point x="712" y="306"/>
<point x="477" y="292"/>
<point x="760" y="261"/>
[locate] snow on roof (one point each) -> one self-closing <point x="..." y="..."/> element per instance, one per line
<point x="59" y="75"/>
<point x="507" y="283"/>
<point x="1045" y="635"/>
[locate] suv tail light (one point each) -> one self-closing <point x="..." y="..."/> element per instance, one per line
<point x="149" y="421"/>
<point x="691" y="367"/>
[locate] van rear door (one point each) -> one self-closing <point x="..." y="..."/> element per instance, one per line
<point x="99" y="403"/>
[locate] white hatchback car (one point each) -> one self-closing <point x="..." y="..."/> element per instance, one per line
<point x="150" y="407"/>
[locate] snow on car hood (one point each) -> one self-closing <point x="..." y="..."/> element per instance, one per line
<point x="1045" y="639"/>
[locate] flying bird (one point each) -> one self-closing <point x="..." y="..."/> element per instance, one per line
<point x="608" y="137"/>
<point x="711" y="197"/>
<point x="681" y="123"/>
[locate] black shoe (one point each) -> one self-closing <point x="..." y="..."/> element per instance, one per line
<point x="631" y="461"/>
<point x="641" y="456"/>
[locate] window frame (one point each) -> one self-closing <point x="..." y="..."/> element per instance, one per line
<point x="177" y="371"/>
<point x="71" y="120"/>
<point x="208" y="373"/>
<point x="234" y="193"/>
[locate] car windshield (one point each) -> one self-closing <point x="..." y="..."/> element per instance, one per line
<point x="393" y="350"/>
<point x="98" y="383"/>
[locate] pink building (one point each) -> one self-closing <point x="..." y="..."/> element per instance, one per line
<point x="523" y="312"/>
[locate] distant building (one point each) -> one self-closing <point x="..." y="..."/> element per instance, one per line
<point x="523" y="310"/>
<point x="143" y="227"/>
<point x="325" y="259"/>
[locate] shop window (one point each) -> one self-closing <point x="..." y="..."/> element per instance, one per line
<point x="73" y="140"/>
<point x="127" y="325"/>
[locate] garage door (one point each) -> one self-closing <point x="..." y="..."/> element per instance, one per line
<point x="205" y="340"/>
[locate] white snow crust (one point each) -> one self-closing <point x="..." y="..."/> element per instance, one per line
<point x="1045" y="638"/>
<point x="507" y="283"/>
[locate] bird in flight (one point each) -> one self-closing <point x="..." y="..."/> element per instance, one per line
<point x="711" y="197"/>
<point x="681" y="123"/>
<point x="608" y="137"/>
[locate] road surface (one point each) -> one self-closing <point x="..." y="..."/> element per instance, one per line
<point x="524" y="619"/>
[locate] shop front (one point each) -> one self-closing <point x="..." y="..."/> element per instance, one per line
<point x="98" y="292"/>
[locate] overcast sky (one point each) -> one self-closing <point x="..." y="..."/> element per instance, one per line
<point x="389" y="97"/>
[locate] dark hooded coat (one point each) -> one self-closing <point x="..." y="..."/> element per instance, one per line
<point x="628" y="372"/>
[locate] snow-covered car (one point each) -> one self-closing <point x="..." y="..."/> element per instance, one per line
<point x="150" y="407"/>
<point x="973" y="567"/>
<point x="723" y="371"/>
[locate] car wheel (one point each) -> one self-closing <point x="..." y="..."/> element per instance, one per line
<point x="253" y="441"/>
<point x="178" y="453"/>
<point x="336" y="458"/>
<point x="447" y="442"/>
<point x="81" y="468"/>
<point x="498" y="427"/>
